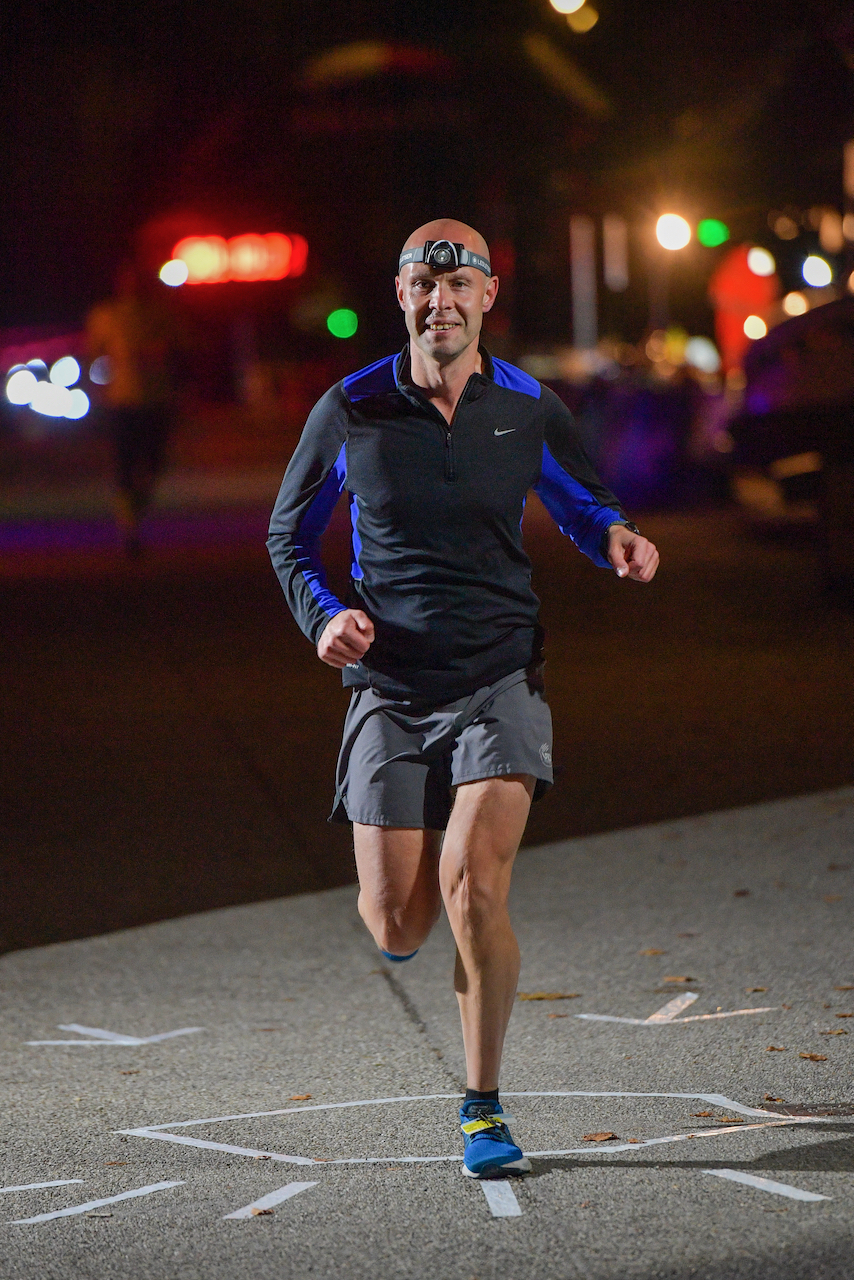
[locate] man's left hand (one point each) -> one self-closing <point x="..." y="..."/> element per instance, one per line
<point x="631" y="555"/>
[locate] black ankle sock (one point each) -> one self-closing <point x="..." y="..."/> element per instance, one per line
<point x="481" y="1095"/>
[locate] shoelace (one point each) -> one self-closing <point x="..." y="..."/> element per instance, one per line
<point x="487" y="1124"/>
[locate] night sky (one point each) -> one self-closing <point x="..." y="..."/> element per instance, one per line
<point x="122" y="113"/>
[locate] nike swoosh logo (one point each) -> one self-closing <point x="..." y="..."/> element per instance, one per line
<point x="496" y="432"/>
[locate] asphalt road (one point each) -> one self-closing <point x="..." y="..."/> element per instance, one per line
<point x="287" y="1009"/>
<point x="168" y="737"/>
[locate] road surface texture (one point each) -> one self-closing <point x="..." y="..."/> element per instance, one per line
<point x="284" y="1007"/>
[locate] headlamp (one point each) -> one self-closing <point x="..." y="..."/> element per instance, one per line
<point x="444" y="255"/>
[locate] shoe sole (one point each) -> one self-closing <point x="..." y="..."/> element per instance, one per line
<point x="515" y="1168"/>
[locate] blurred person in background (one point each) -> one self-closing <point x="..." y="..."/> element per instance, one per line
<point x="448" y="737"/>
<point x="132" y="337"/>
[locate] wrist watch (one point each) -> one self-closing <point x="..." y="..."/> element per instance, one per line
<point x="630" y="524"/>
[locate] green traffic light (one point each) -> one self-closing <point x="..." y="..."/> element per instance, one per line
<point x="712" y="232"/>
<point x="342" y="323"/>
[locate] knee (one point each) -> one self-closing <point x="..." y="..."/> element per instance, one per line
<point x="472" y="894"/>
<point x="397" y="929"/>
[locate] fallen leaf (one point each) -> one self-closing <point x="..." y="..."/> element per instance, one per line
<point x="566" y="1015"/>
<point x="263" y="1157"/>
<point x="785" y="1006"/>
<point x="585" y="1204"/>
<point x="299" y="1097"/>
<point x="548" y="995"/>
<point x="652" y="951"/>
<point x="813" y="1057"/>
<point x="839" y="1032"/>
<point x="129" y="1073"/>
<point x="261" y="1213"/>
<point x="741" y="893"/>
<point x="845" y="1015"/>
<point x="769" y="1098"/>
<point x="113" y="1162"/>
<point x="849" y="988"/>
<point x="678" y="978"/>
<point x="748" y="990"/>
<point x="839" y="866"/>
<point x="99" y="1215"/>
<point x="702" y="1115"/>
<point x="776" y="1048"/>
<point x="730" y="1119"/>
<point x="598" y="1137"/>
<point x="833" y="897"/>
<point x="634" y="1141"/>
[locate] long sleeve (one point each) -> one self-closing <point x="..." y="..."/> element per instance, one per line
<point x="310" y="489"/>
<point x="572" y="493"/>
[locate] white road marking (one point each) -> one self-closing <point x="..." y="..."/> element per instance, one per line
<point x="666" y="1016"/>
<point x="501" y="1199"/>
<point x="97" y="1204"/>
<point x="765" y="1184"/>
<point x="34" y="1186"/>
<point x="105" y="1038"/>
<point x="271" y="1199"/>
<point x="668" y="1011"/>
<point x="768" y="1119"/>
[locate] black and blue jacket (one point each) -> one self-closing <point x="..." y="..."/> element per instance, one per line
<point x="437" y="557"/>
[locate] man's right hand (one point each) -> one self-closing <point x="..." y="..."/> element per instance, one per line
<point x="345" y="639"/>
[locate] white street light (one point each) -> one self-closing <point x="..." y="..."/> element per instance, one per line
<point x="672" y="231"/>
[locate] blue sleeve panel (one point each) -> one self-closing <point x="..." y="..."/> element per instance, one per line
<point x="310" y="490"/>
<point x="508" y="375"/>
<point x="571" y="491"/>
<point x="574" y="510"/>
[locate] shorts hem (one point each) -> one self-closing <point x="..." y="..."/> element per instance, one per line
<point x="503" y="771"/>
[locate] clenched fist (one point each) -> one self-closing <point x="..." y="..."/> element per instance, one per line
<point x="631" y="555"/>
<point x="345" y="639"/>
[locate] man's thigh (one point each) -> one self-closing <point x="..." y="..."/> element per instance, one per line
<point x="484" y="831"/>
<point x="398" y="867"/>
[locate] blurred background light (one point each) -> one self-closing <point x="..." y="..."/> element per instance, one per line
<point x="50" y="400"/>
<point x="755" y="327"/>
<point x="174" y="272"/>
<point x="795" y="304"/>
<point x="21" y="386"/>
<point x="79" y="405"/>
<point x="711" y="232"/>
<point x="101" y="371"/>
<point x="213" y="260"/>
<point x="65" y="372"/>
<point x="817" y="272"/>
<point x="206" y="258"/>
<point x="830" y="235"/>
<point x="615" y="252"/>
<point x="567" y="6"/>
<point x="851" y="283"/>
<point x="38" y="367"/>
<point x="702" y="354"/>
<point x="761" y="262"/>
<point x="848" y="226"/>
<point x="672" y="231"/>
<point x="583" y="19"/>
<point x="342" y="323"/>
<point x="785" y="228"/>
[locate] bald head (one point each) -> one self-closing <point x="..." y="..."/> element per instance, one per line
<point x="449" y="229"/>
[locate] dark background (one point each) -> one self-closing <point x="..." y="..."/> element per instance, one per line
<point x="119" y="114"/>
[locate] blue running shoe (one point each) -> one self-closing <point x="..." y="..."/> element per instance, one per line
<point x="490" y="1150"/>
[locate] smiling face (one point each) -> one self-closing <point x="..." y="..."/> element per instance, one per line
<point x="444" y="309"/>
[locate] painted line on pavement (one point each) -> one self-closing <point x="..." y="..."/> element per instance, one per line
<point x="655" y="1021"/>
<point x="106" y="1038"/>
<point x="256" y="1152"/>
<point x="668" y="1011"/>
<point x="765" y="1184"/>
<point x="501" y="1199"/>
<point x="271" y="1199"/>
<point x="35" y="1186"/>
<point x="97" y="1204"/>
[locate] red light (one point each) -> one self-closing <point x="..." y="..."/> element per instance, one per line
<point x="212" y="260"/>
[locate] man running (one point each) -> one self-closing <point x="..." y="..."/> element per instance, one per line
<point x="447" y="738"/>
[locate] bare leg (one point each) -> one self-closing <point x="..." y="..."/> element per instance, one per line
<point x="485" y="827"/>
<point x="399" y="897"/>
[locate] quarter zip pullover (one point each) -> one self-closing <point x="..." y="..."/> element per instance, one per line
<point x="437" y="557"/>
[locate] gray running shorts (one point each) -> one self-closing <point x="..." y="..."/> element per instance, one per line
<point x="399" y="762"/>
